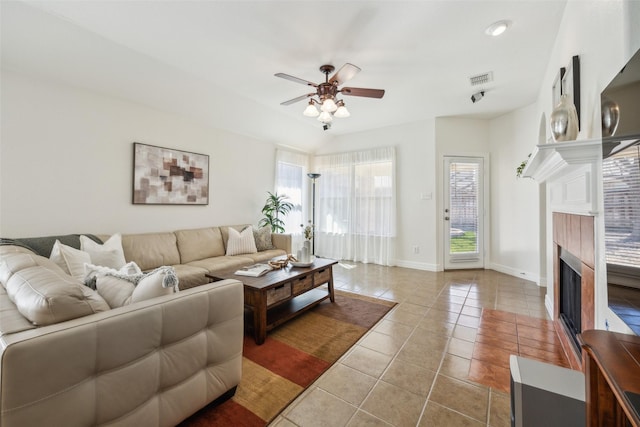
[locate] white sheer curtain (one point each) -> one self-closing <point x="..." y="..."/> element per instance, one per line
<point x="291" y="180"/>
<point x="356" y="206"/>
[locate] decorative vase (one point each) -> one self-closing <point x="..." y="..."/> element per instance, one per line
<point x="564" y="120"/>
<point x="610" y="117"/>
<point x="307" y="244"/>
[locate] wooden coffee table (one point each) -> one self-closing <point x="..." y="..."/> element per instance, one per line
<point x="282" y="294"/>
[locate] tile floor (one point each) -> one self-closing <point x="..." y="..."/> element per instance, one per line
<point x="436" y="359"/>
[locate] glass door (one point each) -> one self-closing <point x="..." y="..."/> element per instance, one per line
<point x="463" y="213"/>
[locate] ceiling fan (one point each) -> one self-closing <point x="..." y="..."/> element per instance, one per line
<point x="327" y="92"/>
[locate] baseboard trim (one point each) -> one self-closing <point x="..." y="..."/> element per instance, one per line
<point x="418" y="265"/>
<point x="548" y="303"/>
<point x="515" y="273"/>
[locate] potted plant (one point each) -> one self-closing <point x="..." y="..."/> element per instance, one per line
<point x="275" y="206"/>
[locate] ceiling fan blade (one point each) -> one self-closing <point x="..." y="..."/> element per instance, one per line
<point x="347" y="72"/>
<point x="295" y="79"/>
<point x="358" y="91"/>
<point x="298" y="99"/>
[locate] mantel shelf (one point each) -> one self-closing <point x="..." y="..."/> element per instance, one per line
<point x="549" y="160"/>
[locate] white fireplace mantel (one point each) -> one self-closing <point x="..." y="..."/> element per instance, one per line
<point x="557" y="159"/>
<point x="571" y="170"/>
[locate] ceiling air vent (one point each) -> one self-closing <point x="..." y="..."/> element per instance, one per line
<point x="481" y="79"/>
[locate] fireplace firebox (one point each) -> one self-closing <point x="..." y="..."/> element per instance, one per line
<point x="571" y="296"/>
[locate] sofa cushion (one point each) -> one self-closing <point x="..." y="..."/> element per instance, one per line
<point x="11" y="262"/>
<point x="190" y="276"/>
<point x="47" y="295"/>
<point x="265" y="255"/>
<point x="151" y="250"/>
<point x="70" y="260"/>
<point x="199" y="244"/>
<point x="241" y="242"/>
<point x="221" y="262"/>
<point x="262" y="236"/>
<point x="109" y="254"/>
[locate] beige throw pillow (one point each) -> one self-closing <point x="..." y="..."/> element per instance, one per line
<point x="241" y="242"/>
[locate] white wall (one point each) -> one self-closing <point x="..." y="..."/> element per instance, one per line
<point x="66" y="164"/>
<point x="416" y="175"/>
<point x="515" y="208"/>
<point x="605" y="34"/>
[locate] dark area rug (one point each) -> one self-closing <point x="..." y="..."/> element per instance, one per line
<point x="293" y="356"/>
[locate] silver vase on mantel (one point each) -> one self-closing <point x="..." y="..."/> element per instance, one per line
<point x="564" y="120"/>
<point x="610" y="116"/>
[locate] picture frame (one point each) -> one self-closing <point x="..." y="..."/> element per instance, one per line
<point x="556" y="88"/>
<point x="571" y="83"/>
<point x="166" y="176"/>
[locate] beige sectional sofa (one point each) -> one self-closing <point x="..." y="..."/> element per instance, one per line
<point x="194" y="252"/>
<point x="151" y="363"/>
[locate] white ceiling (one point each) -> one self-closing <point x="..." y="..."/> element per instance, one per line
<point x="215" y="61"/>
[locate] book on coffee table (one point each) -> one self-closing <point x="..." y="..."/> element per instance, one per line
<point x="254" y="270"/>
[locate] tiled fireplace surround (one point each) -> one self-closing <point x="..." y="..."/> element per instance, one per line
<point x="574" y="233"/>
<point x="571" y="172"/>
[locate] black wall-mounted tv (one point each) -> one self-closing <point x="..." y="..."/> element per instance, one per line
<point x="621" y="185"/>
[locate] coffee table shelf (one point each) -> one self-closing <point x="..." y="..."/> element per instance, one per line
<point x="281" y="313"/>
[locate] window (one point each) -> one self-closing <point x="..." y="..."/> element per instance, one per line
<point x="356" y="206"/>
<point x="621" y="184"/>
<point x="291" y="180"/>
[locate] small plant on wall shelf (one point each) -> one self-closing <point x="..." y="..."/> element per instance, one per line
<point x="520" y="168"/>
<point x="274" y="207"/>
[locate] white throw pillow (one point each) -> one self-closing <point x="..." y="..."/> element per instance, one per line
<point x="71" y="260"/>
<point x="119" y="289"/>
<point x="115" y="291"/>
<point x="241" y="242"/>
<point x="110" y="254"/>
<point x="91" y="270"/>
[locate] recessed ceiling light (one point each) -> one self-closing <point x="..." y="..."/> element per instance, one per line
<point x="497" y="28"/>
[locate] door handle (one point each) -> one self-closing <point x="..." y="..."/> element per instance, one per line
<point x="446" y="218"/>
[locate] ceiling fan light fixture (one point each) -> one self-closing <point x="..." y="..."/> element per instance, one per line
<point x="342" y="111"/>
<point x="311" y="110"/>
<point x="329" y="105"/>
<point x="325" y="117"/>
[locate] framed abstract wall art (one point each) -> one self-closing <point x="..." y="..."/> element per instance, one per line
<point x="164" y="176"/>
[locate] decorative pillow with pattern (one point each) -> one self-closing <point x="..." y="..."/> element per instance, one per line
<point x="241" y="242"/>
<point x="262" y="236"/>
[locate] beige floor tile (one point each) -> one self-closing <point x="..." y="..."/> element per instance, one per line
<point x="455" y="366"/>
<point x="465" y="333"/>
<point x="394" y="405"/>
<point x="321" y="409"/>
<point x="462" y="397"/>
<point x="363" y="419"/>
<point x="438" y="416"/>
<point x="394" y="329"/>
<point x="460" y="348"/>
<point x="499" y="409"/>
<point x="367" y="361"/>
<point x="382" y="343"/>
<point x="421" y="355"/>
<point x="282" y="422"/>
<point x="347" y="383"/>
<point x="409" y="377"/>
<point x="404" y="317"/>
<point x="438" y="327"/>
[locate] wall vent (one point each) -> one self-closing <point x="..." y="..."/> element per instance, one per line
<point x="481" y="79"/>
